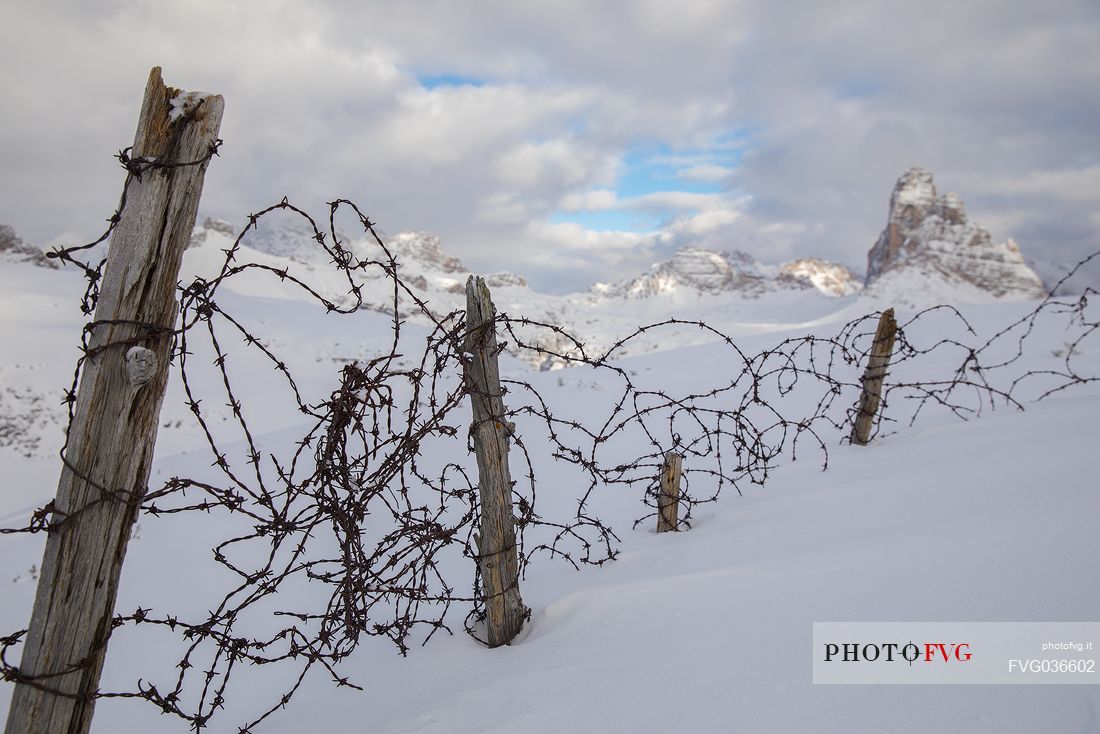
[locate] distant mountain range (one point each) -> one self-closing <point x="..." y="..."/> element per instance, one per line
<point x="928" y="252"/>
<point x="708" y="272"/>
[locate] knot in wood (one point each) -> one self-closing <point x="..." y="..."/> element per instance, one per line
<point x="141" y="365"/>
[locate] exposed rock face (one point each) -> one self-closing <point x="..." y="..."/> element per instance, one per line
<point x="14" y="249"/>
<point x="928" y="237"/>
<point x="424" y="248"/>
<point x="424" y="252"/>
<point x="709" y="272"/>
<point x="505" y="280"/>
<point x="283" y="235"/>
<point x="693" y="268"/>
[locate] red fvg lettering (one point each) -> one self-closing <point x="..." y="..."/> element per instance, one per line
<point x="960" y="652"/>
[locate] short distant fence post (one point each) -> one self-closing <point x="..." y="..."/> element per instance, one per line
<point x="110" y="442"/>
<point x="881" y="351"/>
<point x="668" y="498"/>
<point x="497" y="553"/>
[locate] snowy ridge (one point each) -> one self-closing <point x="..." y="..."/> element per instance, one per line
<point x="695" y="269"/>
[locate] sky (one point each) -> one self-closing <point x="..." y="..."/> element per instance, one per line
<point x="576" y="141"/>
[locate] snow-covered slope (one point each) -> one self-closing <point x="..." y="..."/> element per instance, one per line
<point x="703" y="631"/>
<point x="709" y="631"/>
<point x="931" y="253"/>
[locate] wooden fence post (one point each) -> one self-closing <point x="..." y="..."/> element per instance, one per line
<point x="496" y="543"/>
<point x="110" y="443"/>
<point x="881" y="351"/>
<point x="668" y="500"/>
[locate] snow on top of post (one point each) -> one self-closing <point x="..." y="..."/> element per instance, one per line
<point x="184" y="103"/>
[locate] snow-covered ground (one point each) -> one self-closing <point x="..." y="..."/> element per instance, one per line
<point x="994" y="519"/>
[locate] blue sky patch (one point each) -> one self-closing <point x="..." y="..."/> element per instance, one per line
<point x="610" y="220"/>
<point x="433" y="81"/>
<point x="653" y="168"/>
<point x="648" y="173"/>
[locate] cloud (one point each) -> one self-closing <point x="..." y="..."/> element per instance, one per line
<point x="590" y="201"/>
<point x="677" y="200"/>
<point x="776" y="128"/>
<point x="714" y="220"/>
<point x="705" y="172"/>
<point x="987" y="95"/>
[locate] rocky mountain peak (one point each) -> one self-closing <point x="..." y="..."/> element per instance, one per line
<point x="710" y="271"/>
<point x="426" y="249"/>
<point x="950" y="206"/>
<point x="914" y="193"/>
<point x="505" y="280"/>
<point x="14" y="249"/>
<point x="828" y="277"/>
<point x="695" y="269"/>
<point x="284" y="235"/>
<point x="690" y="268"/>
<point x="929" y="235"/>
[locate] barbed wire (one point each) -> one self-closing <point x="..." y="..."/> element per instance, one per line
<point x="363" y="506"/>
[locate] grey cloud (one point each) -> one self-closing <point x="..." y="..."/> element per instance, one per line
<point x="979" y="92"/>
<point x="322" y="101"/>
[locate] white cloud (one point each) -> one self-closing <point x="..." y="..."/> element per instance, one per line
<point x="558" y="163"/>
<point x="705" y="172"/>
<point x="660" y="200"/>
<point x="591" y="201"/>
<point x="707" y="222"/>
<point x="1065" y="184"/>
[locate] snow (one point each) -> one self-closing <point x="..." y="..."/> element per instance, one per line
<point x="708" y="630"/>
<point x="697" y="270"/>
<point x="915" y="188"/>
<point x="829" y="278"/>
<point x="183" y="103"/>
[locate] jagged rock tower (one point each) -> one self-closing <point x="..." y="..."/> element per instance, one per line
<point x="928" y="239"/>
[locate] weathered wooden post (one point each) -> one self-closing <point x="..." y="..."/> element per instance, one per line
<point x="668" y="500"/>
<point x="498" y="558"/>
<point x="114" y="428"/>
<point x="881" y="351"/>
